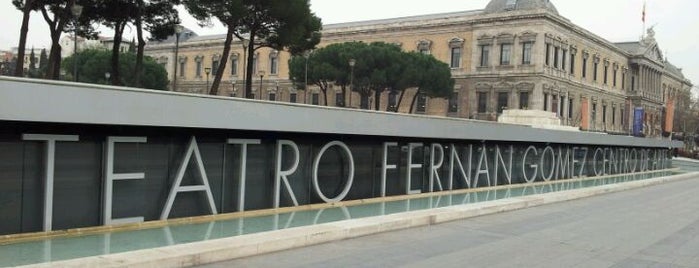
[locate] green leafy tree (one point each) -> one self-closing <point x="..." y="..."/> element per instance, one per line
<point x="115" y="14"/>
<point x="378" y="67"/>
<point x="432" y="78"/>
<point x="159" y="17"/>
<point x="58" y="15"/>
<point x="95" y="63"/>
<point x="277" y="24"/>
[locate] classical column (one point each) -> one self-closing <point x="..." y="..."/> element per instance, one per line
<point x="641" y="79"/>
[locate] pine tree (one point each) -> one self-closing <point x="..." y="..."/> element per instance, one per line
<point x="43" y="62"/>
<point x="32" y="64"/>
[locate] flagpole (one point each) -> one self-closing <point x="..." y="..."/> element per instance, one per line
<point x="643" y="31"/>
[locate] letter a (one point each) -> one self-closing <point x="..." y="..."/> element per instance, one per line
<point x="176" y="188"/>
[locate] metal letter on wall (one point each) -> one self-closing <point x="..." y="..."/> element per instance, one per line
<point x="193" y="148"/>
<point x="243" y="167"/>
<point x="282" y="175"/>
<point x="434" y="167"/>
<point x="110" y="177"/>
<point x="350" y="176"/>
<point x="534" y="166"/>
<point x="455" y="160"/>
<point x="385" y="166"/>
<point x="409" y="167"/>
<point x="50" y="164"/>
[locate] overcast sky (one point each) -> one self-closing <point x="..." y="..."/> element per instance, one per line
<point x="616" y="20"/>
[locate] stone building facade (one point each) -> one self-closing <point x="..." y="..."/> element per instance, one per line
<point x="514" y="54"/>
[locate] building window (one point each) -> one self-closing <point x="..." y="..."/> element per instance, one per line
<point x="273" y="63"/>
<point x="548" y="54"/>
<point x="482" y="102"/>
<point x="455" y="57"/>
<point x="454" y="102"/>
<point x="594" y="112"/>
<point x="564" y="54"/>
<point x="633" y="83"/>
<point x="364" y="102"/>
<point x="182" y="65"/>
<point x="505" y="54"/>
<point x="570" y="108"/>
<point x="292" y="97"/>
<point x="315" y="98"/>
<point x="424" y="47"/>
<point x="572" y="63"/>
<point x="527" y="53"/>
<point x="613" y="115"/>
<point x="272" y="96"/>
<point x="595" y="66"/>
<point x="392" y="101"/>
<point x="606" y="73"/>
<point x="485" y="55"/>
<point x="604" y="114"/>
<point x="623" y="80"/>
<point x="214" y="66"/>
<point x="198" y="69"/>
<point x="556" y="50"/>
<point x="523" y="100"/>
<point x="503" y="101"/>
<point x="623" y="117"/>
<point x="584" y="67"/>
<point x="614" y="78"/>
<point x="339" y="100"/>
<point x="421" y="103"/>
<point x="234" y="65"/>
<point x="554" y="104"/>
<point x="254" y="64"/>
<point x="546" y="102"/>
<point x="561" y="103"/>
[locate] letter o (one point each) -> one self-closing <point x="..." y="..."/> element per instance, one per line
<point x="553" y="163"/>
<point x="350" y="178"/>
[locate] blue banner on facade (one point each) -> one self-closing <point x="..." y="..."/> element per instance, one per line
<point x="638" y="121"/>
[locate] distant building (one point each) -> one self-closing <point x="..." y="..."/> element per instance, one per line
<point x="514" y="54"/>
<point x="68" y="44"/>
<point x="9" y="56"/>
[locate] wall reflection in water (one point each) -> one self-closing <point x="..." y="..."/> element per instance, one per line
<point x="109" y="243"/>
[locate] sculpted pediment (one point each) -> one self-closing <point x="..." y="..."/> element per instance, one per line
<point x="654" y="53"/>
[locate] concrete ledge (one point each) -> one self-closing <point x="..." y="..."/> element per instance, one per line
<point x="185" y="255"/>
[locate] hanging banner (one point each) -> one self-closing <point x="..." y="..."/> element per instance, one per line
<point x="638" y="115"/>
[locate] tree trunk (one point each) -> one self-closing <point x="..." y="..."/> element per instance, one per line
<point x="118" y="31"/>
<point x="222" y="64"/>
<point x="412" y="103"/>
<point x="248" y="74"/>
<point x="19" y="68"/>
<point x="141" y="47"/>
<point x="55" y="28"/>
<point x="377" y="100"/>
<point x="400" y="100"/>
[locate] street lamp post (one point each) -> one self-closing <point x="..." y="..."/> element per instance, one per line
<point x="76" y="10"/>
<point x="262" y="75"/>
<point x="178" y="31"/>
<point x="107" y="75"/>
<point x="235" y="90"/>
<point x="352" y="62"/>
<point x="246" y="43"/>
<point x="306" y="55"/>
<point x="207" y="71"/>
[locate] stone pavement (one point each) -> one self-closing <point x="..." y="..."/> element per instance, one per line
<point x="648" y="227"/>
